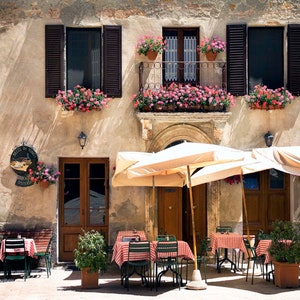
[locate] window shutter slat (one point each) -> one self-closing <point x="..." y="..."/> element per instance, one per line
<point x="293" y="84"/>
<point x="112" y="61"/>
<point x="236" y="59"/>
<point x="54" y="45"/>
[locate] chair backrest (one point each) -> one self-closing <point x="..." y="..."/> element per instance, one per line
<point x="223" y="229"/>
<point x="138" y="250"/>
<point x="204" y="247"/>
<point x="166" y="249"/>
<point x="132" y="238"/>
<point x="166" y="237"/>
<point x="15" y="246"/>
<point x="263" y="235"/>
<point x="48" y="249"/>
<point x="251" y="250"/>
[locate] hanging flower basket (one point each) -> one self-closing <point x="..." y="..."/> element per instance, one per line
<point x="43" y="174"/>
<point x="150" y="43"/>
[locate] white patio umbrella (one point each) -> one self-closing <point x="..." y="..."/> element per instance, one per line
<point x="182" y="159"/>
<point x="285" y="159"/>
<point x="126" y="159"/>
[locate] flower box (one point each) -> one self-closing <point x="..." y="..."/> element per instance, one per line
<point x="82" y="99"/>
<point x="268" y="99"/>
<point x="183" y="98"/>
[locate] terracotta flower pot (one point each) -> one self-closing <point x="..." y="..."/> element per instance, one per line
<point x="44" y="184"/>
<point x="152" y="55"/>
<point x="286" y="275"/>
<point x="211" y="56"/>
<point x="89" y="280"/>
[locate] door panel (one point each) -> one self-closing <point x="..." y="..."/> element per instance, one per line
<point x="267" y="199"/>
<point x="170" y="211"/>
<point x="83" y="201"/>
<point x="174" y="213"/>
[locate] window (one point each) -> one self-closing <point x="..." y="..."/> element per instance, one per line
<point x="93" y="59"/>
<point x="263" y="68"/>
<point x="83" y="57"/>
<point x="182" y="44"/>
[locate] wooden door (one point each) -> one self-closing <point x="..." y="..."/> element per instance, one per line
<point x="83" y="201"/>
<point x="170" y="211"/>
<point x="174" y="213"/>
<point x="267" y="199"/>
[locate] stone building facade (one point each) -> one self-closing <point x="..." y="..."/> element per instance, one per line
<point x="27" y="116"/>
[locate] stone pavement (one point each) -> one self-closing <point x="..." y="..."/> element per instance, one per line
<point x="64" y="283"/>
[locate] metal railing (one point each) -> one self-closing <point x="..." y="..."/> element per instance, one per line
<point x="152" y="75"/>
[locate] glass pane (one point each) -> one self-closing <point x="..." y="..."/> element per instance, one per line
<point x="97" y="201"/>
<point x="72" y="202"/>
<point x="83" y="57"/>
<point x="251" y="181"/>
<point x="97" y="171"/>
<point x="276" y="179"/>
<point x="72" y="170"/>
<point x="171" y="55"/>
<point x="190" y="55"/>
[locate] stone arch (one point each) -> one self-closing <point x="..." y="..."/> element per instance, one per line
<point x="178" y="132"/>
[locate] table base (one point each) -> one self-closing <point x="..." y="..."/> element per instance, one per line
<point x="226" y="258"/>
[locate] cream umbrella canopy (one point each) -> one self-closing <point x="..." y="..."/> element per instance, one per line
<point x="184" y="158"/>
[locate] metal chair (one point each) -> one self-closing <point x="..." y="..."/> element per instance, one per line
<point x="14" y="250"/>
<point x="139" y="262"/>
<point x="252" y="256"/>
<point x="47" y="256"/>
<point x="167" y="258"/>
<point x="166" y="237"/>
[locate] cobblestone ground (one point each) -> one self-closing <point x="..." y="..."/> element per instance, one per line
<point x="65" y="283"/>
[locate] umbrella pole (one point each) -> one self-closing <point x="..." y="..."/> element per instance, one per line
<point x="193" y="217"/>
<point x="245" y="207"/>
<point x="197" y="283"/>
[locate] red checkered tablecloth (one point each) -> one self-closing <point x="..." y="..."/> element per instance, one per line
<point x="227" y="240"/>
<point x="262" y="249"/>
<point x="29" y="247"/>
<point x="128" y="233"/>
<point x="120" y="253"/>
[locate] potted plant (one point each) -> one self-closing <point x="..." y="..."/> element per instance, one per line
<point x="150" y="45"/>
<point x="43" y="174"/>
<point x="211" y="47"/>
<point x="82" y="99"/>
<point x="264" y="98"/>
<point x="90" y="257"/>
<point x="285" y="252"/>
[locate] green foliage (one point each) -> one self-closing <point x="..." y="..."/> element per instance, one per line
<point x="90" y="252"/>
<point x="285" y="241"/>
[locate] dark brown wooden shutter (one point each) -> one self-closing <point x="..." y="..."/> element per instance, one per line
<point x="112" y="61"/>
<point x="236" y="59"/>
<point x="54" y="44"/>
<point x="293" y="84"/>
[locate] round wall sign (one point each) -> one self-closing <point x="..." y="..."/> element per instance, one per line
<point x="21" y="159"/>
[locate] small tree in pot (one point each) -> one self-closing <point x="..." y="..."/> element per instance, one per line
<point x="90" y="257"/>
<point x="285" y="252"/>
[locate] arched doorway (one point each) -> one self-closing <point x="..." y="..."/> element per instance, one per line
<point x="173" y="209"/>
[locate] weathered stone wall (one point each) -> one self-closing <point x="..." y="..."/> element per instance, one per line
<point x="26" y="115"/>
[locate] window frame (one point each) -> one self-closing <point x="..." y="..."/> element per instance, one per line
<point x="111" y="60"/>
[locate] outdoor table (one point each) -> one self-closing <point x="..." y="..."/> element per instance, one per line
<point x="229" y="240"/>
<point x="128" y="233"/>
<point x="120" y="254"/>
<point x="184" y="250"/>
<point x="30" y="248"/>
